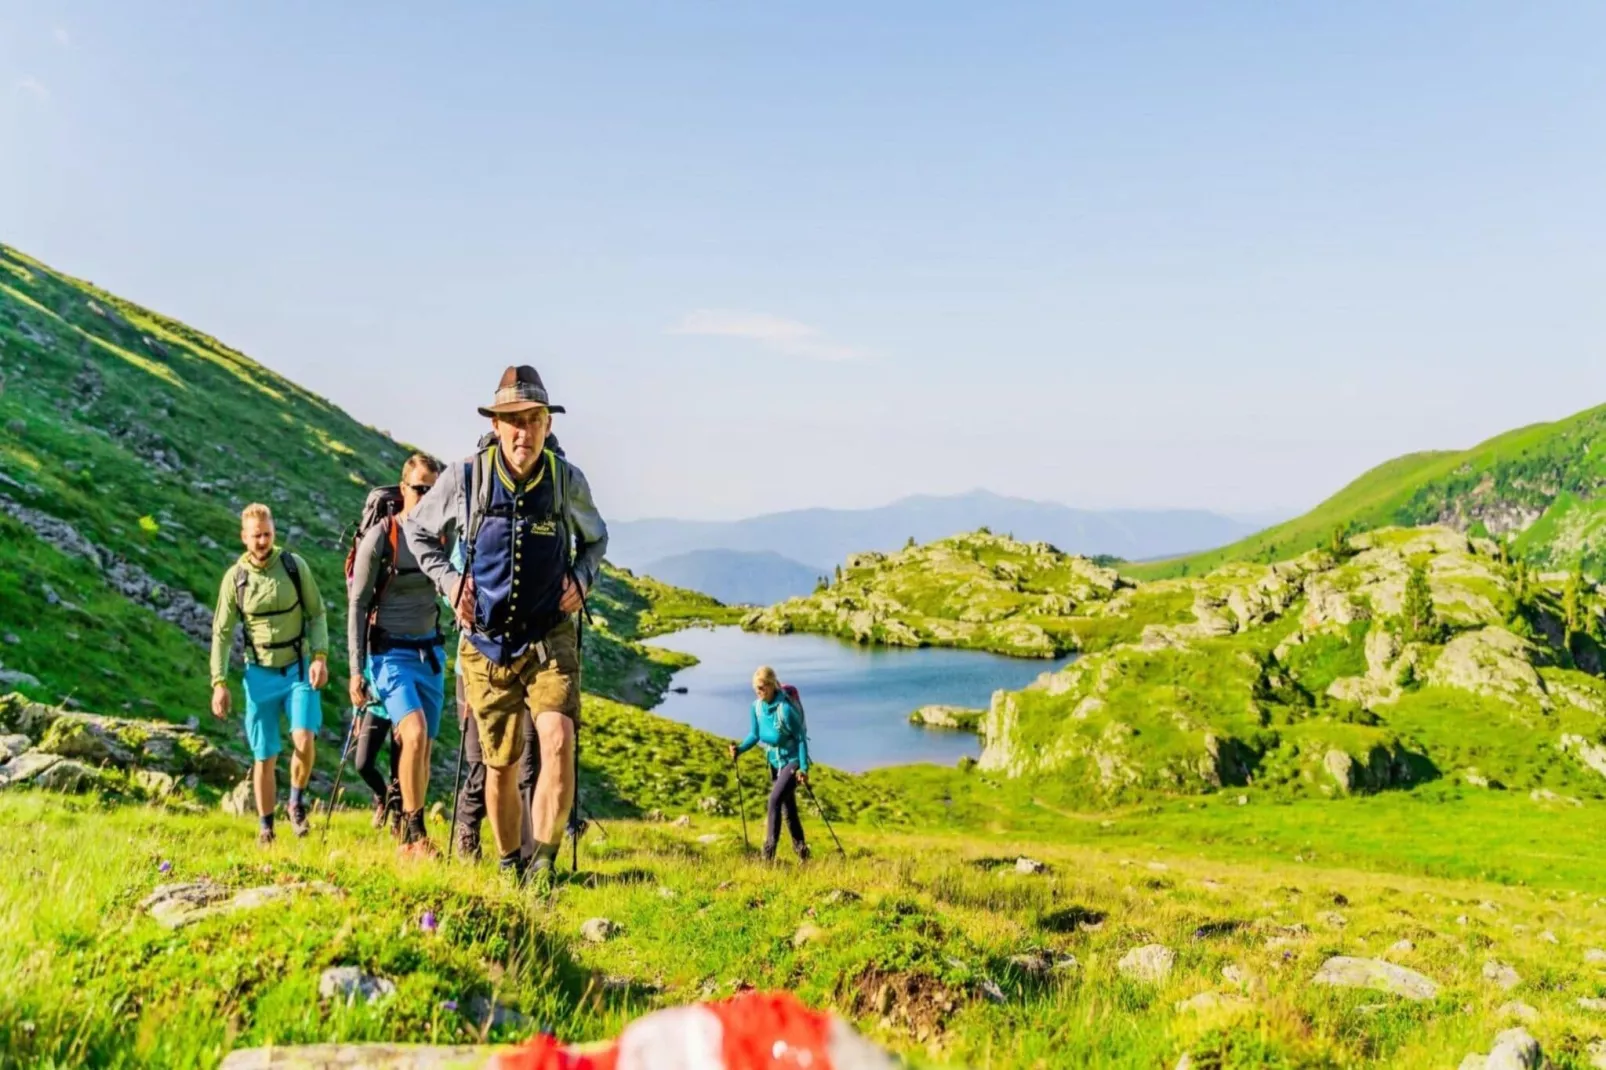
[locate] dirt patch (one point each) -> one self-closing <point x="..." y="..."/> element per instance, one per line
<point x="914" y="1002"/>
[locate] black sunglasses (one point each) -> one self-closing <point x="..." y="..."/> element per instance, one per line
<point x="419" y="489"/>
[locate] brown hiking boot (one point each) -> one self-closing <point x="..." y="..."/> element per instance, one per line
<point x="265" y="837"/>
<point x="379" y="814"/>
<point x="419" y="849"/>
<point x="468" y="842"/>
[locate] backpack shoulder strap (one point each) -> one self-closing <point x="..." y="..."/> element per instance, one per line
<point x="293" y="568"/>
<point x="241" y="578"/>
<point x="479" y="492"/>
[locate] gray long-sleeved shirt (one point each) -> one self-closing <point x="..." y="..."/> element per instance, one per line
<point x="441" y="517"/>
<point x="408" y="606"/>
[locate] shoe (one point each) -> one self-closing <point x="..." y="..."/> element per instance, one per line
<point x="803" y="852"/>
<point x="265" y="837"/>
<point x="419" y="849"/>
<point x="379" y="814"/>
<point x="767" y="855"/>
<point x="395" y="821"/>
<point x="468" y="842"/>
<point x="298" y="820"/>
<point x="540" y="876"/>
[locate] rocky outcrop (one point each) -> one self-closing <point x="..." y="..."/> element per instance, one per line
<point x="1345" y="972"/>
<point x="1494" y="662"/>
<point x="85" y="746"/>
<point x="957" y="718"/>
<point x="176" y="606"/>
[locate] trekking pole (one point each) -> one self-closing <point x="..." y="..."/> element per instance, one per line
<point x="810" y="789"/>
<point x="334" y="792"/>
<point x="741" y="801"/>
<point x="576" y="828"/>
<point x="457" y="782"/>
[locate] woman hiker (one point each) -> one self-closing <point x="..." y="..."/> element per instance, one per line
<point x="375" y="736"/>
<point x="779" y="726"/>
<point x="393" y="632"/>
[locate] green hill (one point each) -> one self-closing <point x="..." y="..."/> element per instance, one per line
<point x="1538" y="486"/>
<point x="130" y="443"/>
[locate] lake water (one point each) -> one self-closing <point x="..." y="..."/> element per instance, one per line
<point x="857" y="699"/>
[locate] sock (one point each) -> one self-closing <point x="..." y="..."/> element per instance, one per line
<point x="415" y="826"/>
<point x="511" y="862"/>
<point x="295" y="796"/>
<point x="267" y="821"/>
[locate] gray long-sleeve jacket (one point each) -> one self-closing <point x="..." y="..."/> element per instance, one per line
<point x="441" y="518"/>
<point x="408" y="607"/>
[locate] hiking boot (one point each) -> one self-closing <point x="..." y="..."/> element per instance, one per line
<point x="379" y="814"/>
<point x="803" y="852"/>
<point x="298" y="820"/>
<point x="396" y="821"/>
<point x="265" y="837"/>
<point x="419" y="849"/>
<point x="468" y="842"/>
<point x="540" y="876"/>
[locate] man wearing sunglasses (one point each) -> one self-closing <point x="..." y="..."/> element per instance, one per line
<point x="533" y="545"/>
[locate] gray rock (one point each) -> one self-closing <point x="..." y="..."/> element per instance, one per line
<point x="713" y="804"/>
<point x="1515" y="1049"/>
<point x="240" y="801"/>
<point x="1596" y="1050"/>
<point x="598" y="930"/>
<point x="1503" y="977"/>
<point x="1590" y="1003"/>
<point x="350" y="984"/>
<point x="177" y="905"/>
<point x="155" y="784"/>
<point x="24" y="767"/>
<point x="955" y="718"/>
<point x="483" y="1012"/>
<point x="682" y="822"/>
<point x="1522" y="1012"/>
<point x="13" y="639"/>
<point x="1029" y="865"/>
<point x="807" y="934"/>
<point x="990" y="991"/>
<point x="1595" y="956"/>
<point x="709" y="838"/>
<point x="1401" y="947"/>
<point x="17" y="678"/>
<point x="68" y="776"/>
<point x="13" y="745"/>
<point x="1342" y="971"/>
<point x="1151" y="963"/>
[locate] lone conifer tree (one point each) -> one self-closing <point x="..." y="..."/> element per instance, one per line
<point x="1421" y="622"/>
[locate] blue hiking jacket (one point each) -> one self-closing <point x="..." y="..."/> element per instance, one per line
<point x="780" y="727"/>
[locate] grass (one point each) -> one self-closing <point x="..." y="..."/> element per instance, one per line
<point x="95" y="982"/>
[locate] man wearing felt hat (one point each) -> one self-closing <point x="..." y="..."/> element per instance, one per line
<point x="533" y="544"/>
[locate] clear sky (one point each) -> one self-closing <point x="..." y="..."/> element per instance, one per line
<point x="775" y="255"/>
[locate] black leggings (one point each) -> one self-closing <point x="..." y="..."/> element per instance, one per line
<point x="372" y="733"/>
<point x="783" y="803"/>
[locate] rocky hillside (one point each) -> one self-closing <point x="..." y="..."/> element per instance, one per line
<point x="130" y="442"/>
<point x="1401" y="657"/>
<point x="1540" y="487"/>
<point x="979" y="591"/>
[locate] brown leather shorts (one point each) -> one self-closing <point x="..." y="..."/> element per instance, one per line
<point x="544" y="678"/>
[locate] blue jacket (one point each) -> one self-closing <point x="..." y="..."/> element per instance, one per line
<point x="780" y="727"/>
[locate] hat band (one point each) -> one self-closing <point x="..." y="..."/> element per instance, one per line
<point x="520" y="392"/>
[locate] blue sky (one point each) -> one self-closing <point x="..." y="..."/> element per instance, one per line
<point x="775" y="255"/>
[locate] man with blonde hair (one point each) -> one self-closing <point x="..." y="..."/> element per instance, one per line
<point x="271" y="591"/>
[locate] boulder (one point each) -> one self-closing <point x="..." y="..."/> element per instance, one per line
<point x="240" y="801"/>
<point x="19" y="714"/>
<point x="1342" y="971"/>
<point x="154" y="784"/>
<point x="1030" y="865"/>
<point x="69" y="777"/>
<point x="1501" y="976"/>
<point x="486" y="1013"/>
<point x="24" y="767"/>
<point x="1522" y="1012"/>
<point x="349" y="984"/>
<point x="11" y="746"/>
<point x="1151" y="963"/>
<point x="1494" y="662"/>
<point x="1590" y="753"/>
<point x="128" y="744"/>
<point x="807" y="934"/>
<point x="598" y="930"/>
<point x="174" y="906"/>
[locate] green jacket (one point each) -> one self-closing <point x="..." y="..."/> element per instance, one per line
<point x="268" y="590"/>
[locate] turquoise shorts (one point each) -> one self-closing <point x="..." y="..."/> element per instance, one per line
<point x="270" y="692"/>
<point x="404" y="681"/>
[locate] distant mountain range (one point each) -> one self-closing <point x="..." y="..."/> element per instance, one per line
<point x="737" y="577"/>
<point x="780" y="554"/>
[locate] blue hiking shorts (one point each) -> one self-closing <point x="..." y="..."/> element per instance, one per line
<point x="270" y="692"/>
<point x="404" y="681"/>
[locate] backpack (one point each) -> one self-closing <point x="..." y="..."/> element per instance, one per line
<point x="796" y="701"/>
<point x="241" y="578"/>
<point x="382" y="505"/>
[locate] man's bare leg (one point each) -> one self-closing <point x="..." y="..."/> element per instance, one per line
<point x="554" y="791"/>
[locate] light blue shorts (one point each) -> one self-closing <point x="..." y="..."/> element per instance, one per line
<point x="270" y="692"/>
<point x="404" y="681"/>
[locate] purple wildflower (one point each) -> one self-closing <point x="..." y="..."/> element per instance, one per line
<point x="165" y="867"/>
<point x="450" y="1004"/>
<point x="427" y="922"/>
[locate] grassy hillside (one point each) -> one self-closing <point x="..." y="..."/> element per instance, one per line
<point x="934" y="944"/>
<point x="1538" y="485"/>
<point x="130" y="443"/>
